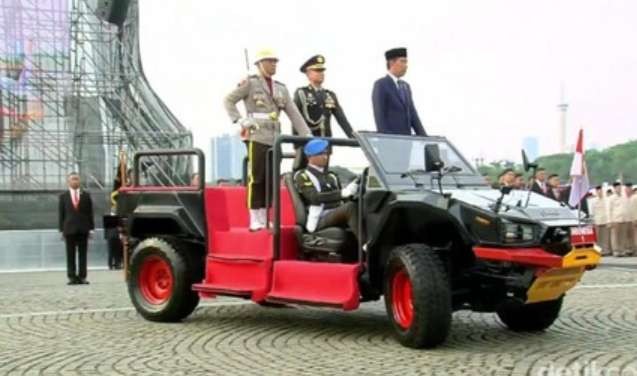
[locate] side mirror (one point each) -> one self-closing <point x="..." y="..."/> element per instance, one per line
<point x="525" y="162"/>
<point x="432" y="158"/>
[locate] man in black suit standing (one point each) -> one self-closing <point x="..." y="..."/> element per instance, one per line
<point x="553" y="190"/>
<point x="76" y="225"/>
<point x="539" y="184"/>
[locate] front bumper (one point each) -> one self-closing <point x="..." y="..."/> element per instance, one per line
<point x="554" y="274"/>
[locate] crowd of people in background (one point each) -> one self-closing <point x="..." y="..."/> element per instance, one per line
<point x="613" y="210"/>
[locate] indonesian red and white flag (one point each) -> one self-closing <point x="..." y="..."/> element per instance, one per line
<point x="579" y="175"/>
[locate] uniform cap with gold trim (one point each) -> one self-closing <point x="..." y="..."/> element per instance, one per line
<point x="316" y="62"/>
<point x="265" y="53"/>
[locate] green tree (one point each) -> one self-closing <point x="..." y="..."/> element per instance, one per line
<point x="608" y="165"/>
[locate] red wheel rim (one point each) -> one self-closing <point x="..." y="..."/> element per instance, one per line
<point x="155" y="280"/>
<point x="402" y="301"/>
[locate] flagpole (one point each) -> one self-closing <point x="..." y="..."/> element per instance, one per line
<point x="579" y="220"/>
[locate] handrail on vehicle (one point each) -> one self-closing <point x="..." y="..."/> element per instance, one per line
<point x="276" y="183"/>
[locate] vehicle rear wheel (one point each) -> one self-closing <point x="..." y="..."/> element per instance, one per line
<point x="417" y="296"/>
<point x="533" y="317"/>
<point x="160" y="282"/>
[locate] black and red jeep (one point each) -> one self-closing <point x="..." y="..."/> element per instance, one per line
<point x="434" y="239"/>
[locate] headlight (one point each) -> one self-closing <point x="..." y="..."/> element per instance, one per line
<point x="518" y="232"/>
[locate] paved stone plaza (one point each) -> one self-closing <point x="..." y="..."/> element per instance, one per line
<point x="47" y="327"/>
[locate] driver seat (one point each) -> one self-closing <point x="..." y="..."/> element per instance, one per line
<point x="326" y="244"/>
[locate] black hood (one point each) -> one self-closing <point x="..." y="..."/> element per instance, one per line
<point x="514" y="205"/>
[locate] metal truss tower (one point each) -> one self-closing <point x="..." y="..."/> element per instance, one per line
<point x="73" y="95"/>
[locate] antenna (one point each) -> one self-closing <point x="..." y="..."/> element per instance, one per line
<point x="245" y="54"/>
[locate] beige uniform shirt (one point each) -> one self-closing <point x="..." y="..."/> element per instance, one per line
<point x="600" y="211"/>
<point x="264" y="108"/>
<point x="633" y="207"/>
<point x="617" y="209"/>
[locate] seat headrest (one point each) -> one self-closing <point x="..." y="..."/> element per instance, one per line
<point x="297" y="201"/>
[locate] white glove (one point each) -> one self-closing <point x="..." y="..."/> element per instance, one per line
<point x="350" y="190"/>
<point x="248" y="123"/>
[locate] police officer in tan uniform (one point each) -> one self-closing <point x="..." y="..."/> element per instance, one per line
<point x="264" y="99"/>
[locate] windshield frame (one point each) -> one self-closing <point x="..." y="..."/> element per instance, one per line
<point x="394" y="179"/>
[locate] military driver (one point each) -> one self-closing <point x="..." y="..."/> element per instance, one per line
<point x="264" y="99"/>
<point x="322" y="193"/>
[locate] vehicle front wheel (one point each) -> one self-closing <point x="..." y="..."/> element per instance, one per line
<point x="417" y="296"/>
<point x="532" y="317"/>
<point x="160" y="282"/>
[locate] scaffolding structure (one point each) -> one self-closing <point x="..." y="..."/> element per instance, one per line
<point x="73" y="94"/>
<point x="73" y="97"/>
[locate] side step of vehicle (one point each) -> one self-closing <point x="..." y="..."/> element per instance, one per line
<point x="317" y="283"/>
<point x="236" y="276"/>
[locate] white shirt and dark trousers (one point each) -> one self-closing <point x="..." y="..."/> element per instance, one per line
<point x="75" y="224"/>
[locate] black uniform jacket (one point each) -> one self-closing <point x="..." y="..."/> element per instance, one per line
<point x="330" y="194"/>
<point x="317" y="108"/>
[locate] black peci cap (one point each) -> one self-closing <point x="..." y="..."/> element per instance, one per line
<point x="395" y="52"/>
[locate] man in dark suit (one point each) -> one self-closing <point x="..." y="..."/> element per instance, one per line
<point x="76" y="225"/>
<point x="562" y="194"/>
<point x="539" y="184"/>
<point x="553" y="190"/>
<point x="394" y="109"/>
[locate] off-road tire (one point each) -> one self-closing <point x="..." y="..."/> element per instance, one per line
<point x="533" y="317"/>
<point x="430" y="301"/>
<point x="160" y="281"/>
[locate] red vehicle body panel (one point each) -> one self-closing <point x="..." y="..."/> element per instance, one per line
<point x="240" y="262"/>
<point x="524" y="256"/>
<point x="322" y="283"/>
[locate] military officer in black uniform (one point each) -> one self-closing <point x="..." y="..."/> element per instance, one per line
<point x="322" y="193"/>
<point x="317" y="104"/>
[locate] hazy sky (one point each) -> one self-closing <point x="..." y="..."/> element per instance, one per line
<point x="485" y="74"/>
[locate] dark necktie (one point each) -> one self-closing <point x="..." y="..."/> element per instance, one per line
<point x="402" y="91"/>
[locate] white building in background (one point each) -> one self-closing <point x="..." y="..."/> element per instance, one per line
<point x="227" y="153"/>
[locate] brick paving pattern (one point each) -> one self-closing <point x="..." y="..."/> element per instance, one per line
<point x="47" y="328"/>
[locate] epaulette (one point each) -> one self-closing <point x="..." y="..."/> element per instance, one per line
<point x="248" y="79"/>
<point x="334" y="176"/>
<point x="306" y="179"/>
<point x="279" y="82"/>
